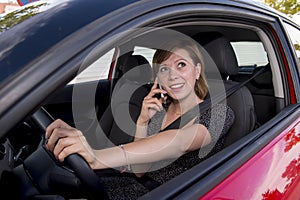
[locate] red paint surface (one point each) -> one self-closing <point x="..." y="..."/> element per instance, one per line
<point x="273" y="173"/>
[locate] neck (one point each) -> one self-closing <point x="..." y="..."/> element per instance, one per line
<point x="182" y="106"/>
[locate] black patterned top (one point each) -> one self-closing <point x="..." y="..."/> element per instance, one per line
<point x="218" y="119"/>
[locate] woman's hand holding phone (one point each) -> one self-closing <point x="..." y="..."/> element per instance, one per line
<point x="152" y="103"/>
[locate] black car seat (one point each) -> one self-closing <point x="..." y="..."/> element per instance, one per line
<point x="118" y="121"/>
<point x="218" y="52"/>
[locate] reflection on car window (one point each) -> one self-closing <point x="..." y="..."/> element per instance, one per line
<point x="10" y="19"/>
<point x="250" y="53"/>
<point x="97" y="70"/>
<point x="295" y="37"/>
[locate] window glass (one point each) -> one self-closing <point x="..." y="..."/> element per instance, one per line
<point x="146" y="52"/>
<point x="295" y="37"/>
<point x="250" y="53"/>
<point x="97" y="70"/>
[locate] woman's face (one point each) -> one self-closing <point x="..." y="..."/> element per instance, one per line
<point x="178" y="75"/>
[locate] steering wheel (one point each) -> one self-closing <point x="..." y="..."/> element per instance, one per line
<point x="88" y="178"/>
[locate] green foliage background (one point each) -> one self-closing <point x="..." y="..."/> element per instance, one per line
<point x="13" y="18"/>
<point x="289" y="7"/>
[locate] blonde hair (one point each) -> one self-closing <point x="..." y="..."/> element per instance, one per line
<point x="201" y="87"/>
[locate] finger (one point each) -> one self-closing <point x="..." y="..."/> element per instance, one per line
<point x="68" y="146"/>
<point x="61" y="145"/>
<point x="58" y="133"/>
<point x="57" y="123"/>
<point x="155" y="83"/>
<point x="53" y="138"/>
<point x="155" y="91"/>
<point x="62" y="148"/>
<point x="155" y="107"/>
<point x="165" y="99"/>
<point x="159" y="91"/>
<point x="154" y="103"/>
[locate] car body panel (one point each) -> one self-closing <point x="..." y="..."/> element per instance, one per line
<point x="277" y="165"/>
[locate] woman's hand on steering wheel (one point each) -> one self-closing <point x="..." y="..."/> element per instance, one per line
<point x="64" y="140"/>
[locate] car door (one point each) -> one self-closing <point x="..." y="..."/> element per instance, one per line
<point x="229" y="167"/>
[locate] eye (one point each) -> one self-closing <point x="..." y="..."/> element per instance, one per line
<point x="163" y="69"/>
<point x="181" y="64"/>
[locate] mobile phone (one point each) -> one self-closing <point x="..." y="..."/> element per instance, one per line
<point x="161" y="94"/>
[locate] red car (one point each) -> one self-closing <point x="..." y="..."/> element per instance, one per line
<point x="89" y="63"/>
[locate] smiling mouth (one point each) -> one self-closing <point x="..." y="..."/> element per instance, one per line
<point x="176" y="86"/>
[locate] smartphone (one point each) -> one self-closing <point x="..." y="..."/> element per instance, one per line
<point x="161" y="95"/>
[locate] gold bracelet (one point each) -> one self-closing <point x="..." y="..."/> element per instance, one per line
<point x="128" y="168"/>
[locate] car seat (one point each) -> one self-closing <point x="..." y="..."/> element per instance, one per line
<point x="219" y="53"/>
<point x="118" y="121"/>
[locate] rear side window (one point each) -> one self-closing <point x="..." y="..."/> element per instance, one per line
<point x="294" y="34"/>
<point x="144" y="51"/>
<point x="98" y="70"/>
<point x="250" y="53"/>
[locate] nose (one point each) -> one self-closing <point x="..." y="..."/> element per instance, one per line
<point x="173" y="74"/>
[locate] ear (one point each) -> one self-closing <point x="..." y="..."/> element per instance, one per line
<point x="198" y="70"/>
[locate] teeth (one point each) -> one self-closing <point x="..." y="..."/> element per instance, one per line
<point x="176" y="86"/>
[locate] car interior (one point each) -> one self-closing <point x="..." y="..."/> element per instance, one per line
<point x="102" y="104"/>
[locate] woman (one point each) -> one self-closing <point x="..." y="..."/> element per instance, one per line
<point x="181" y="84"/>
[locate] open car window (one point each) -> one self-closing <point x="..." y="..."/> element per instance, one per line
<point x="249" y="54"/>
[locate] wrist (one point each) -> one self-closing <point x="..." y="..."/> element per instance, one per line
<point x="96" y="163"/>
<point x="141" y="122"/>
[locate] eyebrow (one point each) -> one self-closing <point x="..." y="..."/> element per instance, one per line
<point x="176" y="61"/>
<point x="183" y="60"/>
<point x="162" y="65"/>
<point x="180" y="57"/>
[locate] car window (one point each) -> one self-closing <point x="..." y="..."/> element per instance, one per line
<point x="146" y="52"/>
<point x="97" y="70"/>
<point x="250" y="53"/>
<point x="295" y="37"/>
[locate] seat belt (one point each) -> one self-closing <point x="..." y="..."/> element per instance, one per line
<point x="206" y="104"/>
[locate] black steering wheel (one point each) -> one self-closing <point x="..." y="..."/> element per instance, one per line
<point x="88" y="178"/>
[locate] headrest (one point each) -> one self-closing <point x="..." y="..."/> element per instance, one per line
<point x="221" y="52"/>
<point x="136" y="68"/>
